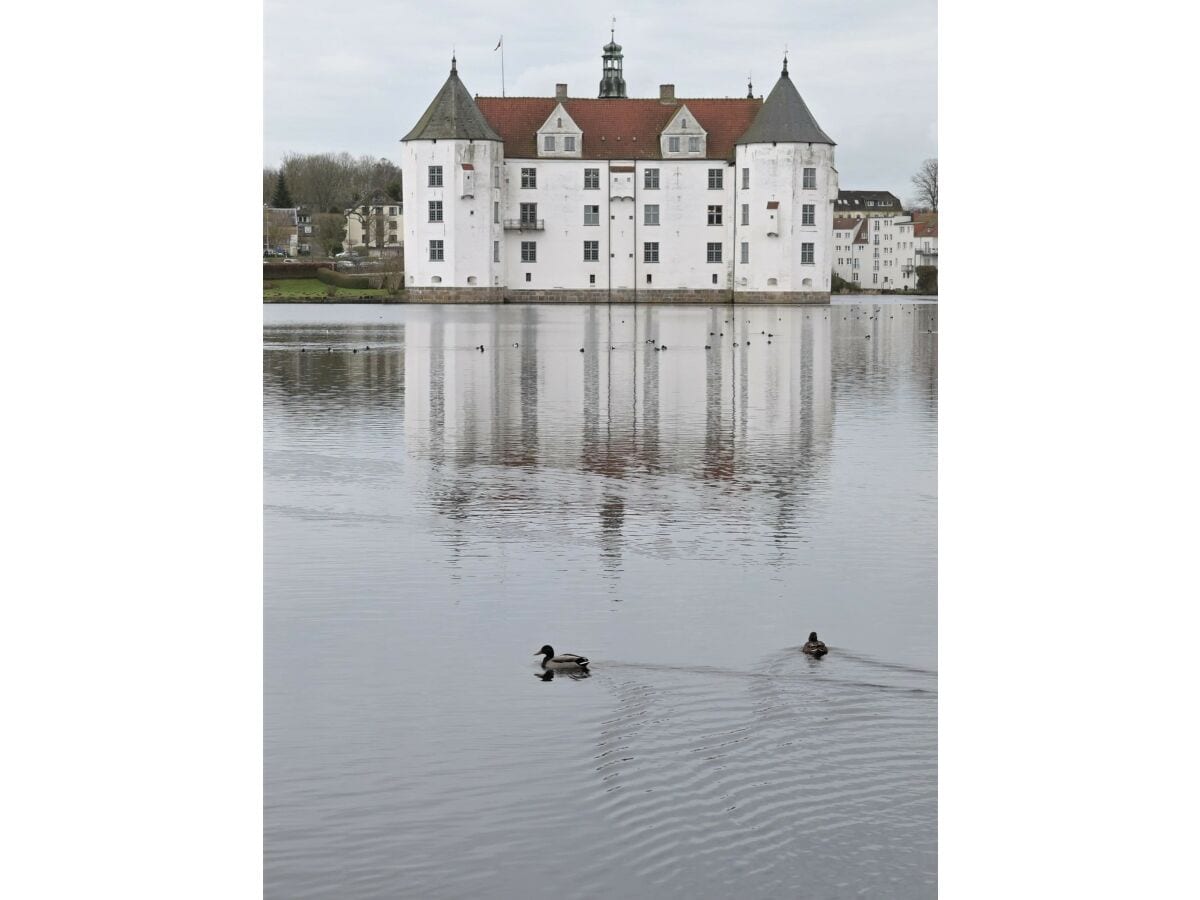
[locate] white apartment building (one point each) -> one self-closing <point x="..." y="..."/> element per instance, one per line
<point x="612" y="198"/>
<point x="883" y="252"/>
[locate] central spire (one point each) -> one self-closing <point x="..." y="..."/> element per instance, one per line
<point x="613" y="82"/>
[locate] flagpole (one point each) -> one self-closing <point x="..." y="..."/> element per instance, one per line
<point x="502" y="94"/>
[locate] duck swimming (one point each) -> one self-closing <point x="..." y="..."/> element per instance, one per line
<point x="814" y="647"/>
<point x="563" y="660"/>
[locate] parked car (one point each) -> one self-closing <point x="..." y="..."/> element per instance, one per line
<point x="272" y="253"/>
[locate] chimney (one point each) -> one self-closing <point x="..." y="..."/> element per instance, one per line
<point x="666" y="93"/>
<point x="560" y="92"/>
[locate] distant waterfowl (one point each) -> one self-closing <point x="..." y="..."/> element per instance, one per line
<point x="814" y="647"/>
<point x="707" y="346"/>
<point x="515" y="344"/>
<point x="301" y="349"/>
<point x="664" y="346"/>
<point x="563" y="660"/>
<point x="580" y="349"/>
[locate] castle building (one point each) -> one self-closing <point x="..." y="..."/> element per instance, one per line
<point x="667" y="199"/>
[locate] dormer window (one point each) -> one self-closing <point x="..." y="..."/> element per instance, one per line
<point x="672" y="145"/>
<point x="559" y="135"/>
<point x="693" y="145"/>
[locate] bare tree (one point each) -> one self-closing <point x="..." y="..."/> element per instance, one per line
<point x="926" y="183"/>
<point x="375" y="227"/>
<point x="329" y="229"/>
<point x="320" y="180"/>
<point x="278" y="228"/>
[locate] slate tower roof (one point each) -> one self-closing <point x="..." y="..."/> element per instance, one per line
<point x="452" y="115"/>
<point x="784" y="118"/>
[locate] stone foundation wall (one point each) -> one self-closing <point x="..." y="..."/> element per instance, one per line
<point x="454" y="295"/>
<point x="703" y="297"/>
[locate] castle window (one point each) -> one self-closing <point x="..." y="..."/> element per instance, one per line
<point x="592" y="278"/>
<point x="716" y="179"/>
<point x="435" y="210"/>
<point x="745" y="179"/>
<point x="745" y="252"/>
<point x="569" y="143"/>
<point x="714" y="215"/>
<point x="591" y="179"/>
<point x="496" y="212"/>
<point x="714" y="254"/>
<point x="651" y="213"/>
<point x="529" y="178"/>
<point x="528" y="276"/>
<point x="810" y="179"/>
<point x="437" y="251"/>
<point x="745" y="213"/>
<point x="693" y="145"/>
<point x="806" y="254"/>
<point x="528" y="252"/>
<point x="435" y="176"/>
<point x="651" y="183"/>
<point x="808" y="214"/>
<point x="591" y="215"/>
<point x="650" y="252"/>
<point x="495" y="251"/>
<point x="548" y="143"/>
<point x="528" y="213"/>
<point x="672" y="145"/>
<point x="591" y="251"/>
<point x="714" y="277"/>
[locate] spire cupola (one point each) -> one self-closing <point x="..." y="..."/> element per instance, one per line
<point x="613" y="82"/>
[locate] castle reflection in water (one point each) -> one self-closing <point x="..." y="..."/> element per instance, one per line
<point x="533" y="430"/>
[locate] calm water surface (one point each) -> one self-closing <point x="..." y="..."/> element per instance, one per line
<point x="684" y="517"/>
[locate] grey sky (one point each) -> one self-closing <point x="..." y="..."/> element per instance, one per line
<point x="357" y="78"/>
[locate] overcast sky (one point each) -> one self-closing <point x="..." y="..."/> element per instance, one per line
<point x="357" y="78"/>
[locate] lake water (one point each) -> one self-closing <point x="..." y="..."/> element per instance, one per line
<point x="684" y="517"/>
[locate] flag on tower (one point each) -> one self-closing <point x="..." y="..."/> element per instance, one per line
<point x="498" y="43"/>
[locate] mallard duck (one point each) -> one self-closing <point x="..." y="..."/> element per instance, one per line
<point x="814" y="647"/>
<point x="562" y="661"/>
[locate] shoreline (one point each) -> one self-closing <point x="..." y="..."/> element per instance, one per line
<point x="401" y="301"/>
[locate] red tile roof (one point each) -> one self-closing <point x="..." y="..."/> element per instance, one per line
<point x="925" y="229"/>
<point x="844" y="223"/>
<point x="617" y="128"/>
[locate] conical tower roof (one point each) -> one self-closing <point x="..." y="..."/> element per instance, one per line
<point x="452" y="115"/>
<point x="784" y="118"/>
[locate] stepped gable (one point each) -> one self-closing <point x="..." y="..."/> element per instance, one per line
<point x="452" y="115"/>
<point x="785" y="118"/>
<point x="618" y="128"/>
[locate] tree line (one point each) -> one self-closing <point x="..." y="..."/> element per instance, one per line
<point x="329" y="182"/>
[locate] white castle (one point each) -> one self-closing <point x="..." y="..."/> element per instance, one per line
<point x="617" y="199"/>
